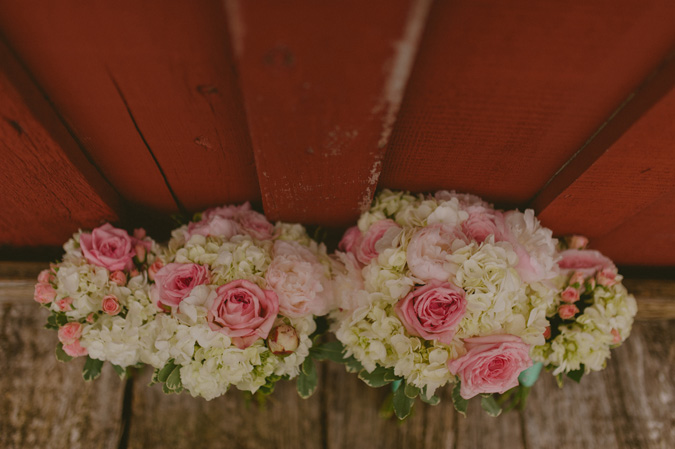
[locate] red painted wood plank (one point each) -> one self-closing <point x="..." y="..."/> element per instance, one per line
<point x="47" y="187"/>
<point x="322" y="85"/>
<point x="149" y="88"/>
<point x="625" y="200"/>
<point x="503" y="93"/>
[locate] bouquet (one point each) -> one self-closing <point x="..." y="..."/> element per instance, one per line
<point x="592" y="313"/>
<point x="98" y="296"/>
<point x="442" y="289"/>
<point x="237" y="300"/>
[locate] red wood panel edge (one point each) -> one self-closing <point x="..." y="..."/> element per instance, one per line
<point x="39" y="103"/>
<point x="654" y="87"/>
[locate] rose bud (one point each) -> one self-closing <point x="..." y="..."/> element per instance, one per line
<point x="577" y="278"/>
<point x="577" y="242"/>
<point x="283" y="340"/>
<point x="617" y="336"/>
<point x="90" y="318"/>
<point x="133" y="273"/>
<point x="567" y="311"/>
<point x="75" y="349"/>
<point x="111" y="305"/>
<point x="141" y="253"/>
<point x="44" y="293"/>
<point x="590" y="284"/>
<point x="547" y="332"/>
<point x="154" y="268"/>
<point x="570" y="295"/>
<point x="45" y="276"/>
<point x="606" y="277"/>
<point x="119" y="278"/>
<point x="139" y="234"/>
<point x="70" y="332"/>
<point x="64" y="303"/>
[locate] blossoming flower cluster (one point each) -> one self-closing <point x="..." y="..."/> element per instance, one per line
<point x="444" y="289"/>
<point x="592" y="313"/>
<point x="98" y="297"/>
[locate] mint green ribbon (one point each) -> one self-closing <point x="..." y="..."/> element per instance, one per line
<point x="529" y="376"/>
<point x="395" y="384"/>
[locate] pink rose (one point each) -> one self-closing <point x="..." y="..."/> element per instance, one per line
<point x="45" y="276"/>
<point x="216" y="226"/>
<point x="491" y="365"/>
<point x="111" y="305"/>
<point x="255" y="224"/>
<point x="350" y="240"/>
<point x="577" y="278"/>
<point x="44" y="293"/>
<point x="376" y="239"/>
<point x="547" y="332"/>
<point x="119" y="278"/>
<point x="141" y="252"/>
<point x="283" y="340"/>
<point x="90" y="318"/>
<point x="299" y="280"/>
<point x="70" y="332"/>
<point x="567" y="311"/>
<point x="616" y="336"/>
<point x="175" y="281"/>
<point x="64" y="304"/>
<point x="483" y="222"/>
<point x="585" y="261"/>
<point x="429" y="250"/>
<point x="607" y="277"/>
<point x="154" y="268"/>
<point x="243" y="311"/>
<point x="108" y="247"/>
<point x="433" y="311"/>
<point x="570" y="295"/>
<point x="75" y="349"/>
<point x="225" y="211"/>
<point x="576" y="242"/>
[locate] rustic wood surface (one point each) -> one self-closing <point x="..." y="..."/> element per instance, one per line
<point x="46" y="404"/>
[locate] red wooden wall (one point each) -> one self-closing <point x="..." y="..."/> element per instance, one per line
<point x="129" y="112"/>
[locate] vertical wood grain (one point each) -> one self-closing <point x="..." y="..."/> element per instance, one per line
<point x="503" y="93"/>
<point x="150" y="89"/>
<point x="322" y="84"/>
<point x="48" y="187"/>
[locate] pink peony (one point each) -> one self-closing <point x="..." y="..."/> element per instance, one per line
<point x="351" y="240"/>
<point x="433" y="311"/>
<point x="376" y="239"/>
<point x="44" y="293"/>
<point x="243" y="311"/>
<point x="70" y="332"/>
<point x="491" y="365"/>
<point x="108" y="247"/>
<point x="570" y="295"/>
<point x="119" y="278"/>
<point x="111" y="305"/>
<point x="255" y="225"/>
<point x="74" y="349"/>
<point x="429" y="250"/>
<point x="585" y="261"/>
<point x="216" y="226"/>
<point x="567" y="311"/>
<point x="299" y="280"/>
<point x="483" y="222"/>
<point x="175" y="281"/>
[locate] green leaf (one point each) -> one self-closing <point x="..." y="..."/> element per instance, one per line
<point x="402" y="404"/>
<point x="376" y="378"/>
<point x="433" y="400"/>
<point x="163" y="374"/>
<point x="490" y="405"/>
<point x="61" y="355"/>
<point x="577" y="374"/>
<point x="307" y="380"/>
<point x="458" y="401"/>
<point x="173" y="382"/>
<point x="411" y="391"/>
<point x="353" y="365"/>
<point x="122" y="372"/>
<point x="559" y="379"/>
<point x="61" y="318"/>
<point x="92" y="368"/>
<point x="332" y="351"/>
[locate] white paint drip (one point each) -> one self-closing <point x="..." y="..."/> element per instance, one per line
<point x="399" y="70"/>
<point x="235" y="22"/>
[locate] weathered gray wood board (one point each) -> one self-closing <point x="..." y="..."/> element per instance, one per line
<point x="46" y="404"/>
